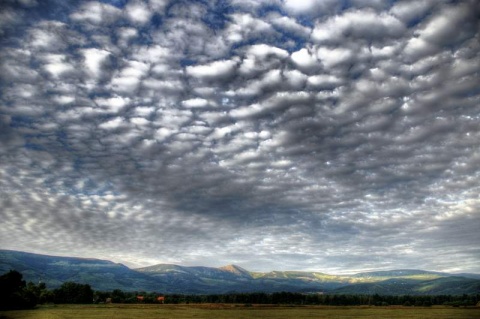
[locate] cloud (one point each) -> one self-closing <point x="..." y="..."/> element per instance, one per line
<point x="244" y="26"/>
<point x="359" y="24"/>
<point x="333" y="57"/>
<point x="214" y="70"/>
<point x="96" y="13"/>
<point x="94" y="59"/>
<point x="193" y="103"/>
<point x="289" y="24"/>
<point x="439" y="29"/>
<point x="260" y="133"/>
<point x="436" y="31"/>
<point x="305" y="59"/>
<point x="409" y="11"/>
<point x="309" y="6"/>
<point x="138" y="12"/>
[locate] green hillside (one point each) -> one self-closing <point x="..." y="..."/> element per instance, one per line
<point x="100" y="274"/>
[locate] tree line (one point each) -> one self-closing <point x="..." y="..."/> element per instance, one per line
<point x="293" y="298"/>
<point x="15" y="293"/>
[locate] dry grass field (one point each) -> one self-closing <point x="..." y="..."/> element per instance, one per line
<point x="216" y="311"/>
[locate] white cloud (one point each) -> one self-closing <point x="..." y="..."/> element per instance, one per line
<point x="64" y="99"/>
<point x="94" y="59"/>
<point x="138" y="12"/>
<point x="305" y="59"/>
<point x="130" y="77"/>
<point x="375" y="4"/>
<point x="126" y="34"/>
<point x="96" y="13"/>
<point x="48" y="36"/>
<point x="270" y="79"/>
<point x="332" y="57"/>
<point x="358" y="24"/>
<point x="135" y="69"/>
<point x="263" y="51"/>
<point x="324" y="81"/>
<point x="140" y="121"/>
<point x="384" y="52"/>
<point x="417" y="48"/>
<point x="173" y="118"/>
<point x="57" y="65"/>
<point x="144" y="110"/>
<point x="112" y="124"/>
<point x="450" y="25"/>
<point x="153" y="54"/>
<point x="158" y="5"/>
<point x="289" y="24"/>
<point x="409" y="10"/>
<point x="309" y="6"/>
<point x="214" y="70"/>
<point x="295" y="79"/>
<point x="245" y="26"/>
<point x="194" y="103"/>
<point x="113" y="104"/>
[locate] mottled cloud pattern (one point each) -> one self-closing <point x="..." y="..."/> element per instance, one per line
<point x="335" y="136"/>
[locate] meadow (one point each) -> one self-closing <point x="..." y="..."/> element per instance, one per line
<point x="220" y="311"/>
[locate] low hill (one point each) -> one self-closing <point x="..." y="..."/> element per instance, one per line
<point x="452" y="285"/>
<point x="199" y="279"/>
<point x="53" y="271"/>
<point x="399" y="286"/>
<point x="400" y="273"/>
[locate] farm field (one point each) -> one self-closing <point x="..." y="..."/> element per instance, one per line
<point x="216" y="311"/>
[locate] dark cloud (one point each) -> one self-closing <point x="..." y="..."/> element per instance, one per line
<point x="270" y="134"/>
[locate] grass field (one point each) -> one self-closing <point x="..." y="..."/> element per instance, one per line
<point x="215" y="311"/>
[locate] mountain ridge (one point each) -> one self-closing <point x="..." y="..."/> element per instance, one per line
<point x="237" y="270"/>
<point x="171" y="278"/>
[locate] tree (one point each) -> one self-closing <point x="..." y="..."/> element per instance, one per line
<point x="14" y="293"/>
<point x="118" y="296"/>
<point x="71" y="292"/>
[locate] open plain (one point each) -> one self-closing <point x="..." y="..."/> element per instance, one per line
<point x="220" y="311"/>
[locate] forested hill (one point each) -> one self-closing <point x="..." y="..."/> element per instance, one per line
<point x="106" y="275"/>
<point x="53" y="270"/>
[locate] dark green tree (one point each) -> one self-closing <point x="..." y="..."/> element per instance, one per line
<point x="71" y="292"/>
<point x="118" y="296"/>
<point x="14" y="293"/>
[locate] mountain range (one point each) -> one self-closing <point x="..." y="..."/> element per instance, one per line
<point x="167" y="278"/>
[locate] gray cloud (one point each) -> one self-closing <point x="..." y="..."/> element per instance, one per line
<point x="308" y="137"/>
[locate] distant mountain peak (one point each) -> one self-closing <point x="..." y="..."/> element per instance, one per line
<point x="237" y="270"/>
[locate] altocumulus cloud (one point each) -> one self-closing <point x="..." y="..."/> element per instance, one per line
<point x="325" y="135"/>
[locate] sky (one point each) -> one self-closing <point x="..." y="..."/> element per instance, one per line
<point x="332" y="136"/>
